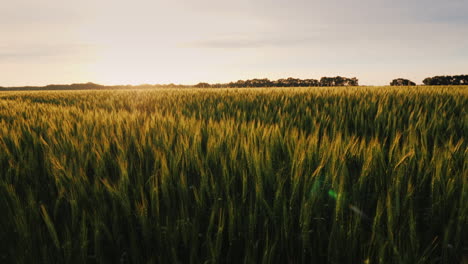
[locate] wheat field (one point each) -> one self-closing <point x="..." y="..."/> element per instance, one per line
<point x="274" y="175"/>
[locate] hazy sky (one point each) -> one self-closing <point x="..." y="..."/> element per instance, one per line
<point x="163" y="41"/>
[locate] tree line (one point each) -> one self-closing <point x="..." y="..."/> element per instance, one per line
<point x="447" y="80"/>
<point x="288" y="82"/>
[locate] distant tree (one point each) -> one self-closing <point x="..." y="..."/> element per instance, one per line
<point x="310" y="82"/>
<point x="240" y="84"/>
<point x="353" y="81"/>
<point x="427" y="81"/>
<point x="291" y="82"/>
<point x="257" y="83"/>
<point x="402" y="82"/>
<point x="327" y="81"/>
<point x="281" y="83"/>
<point x="339" y="81"/>
<point x="447" y="80"/>
<point x="203" y="85"/>
<point x="460" y="80"/>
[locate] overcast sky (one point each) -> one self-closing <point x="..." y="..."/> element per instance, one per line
<point x="164" y="41"/>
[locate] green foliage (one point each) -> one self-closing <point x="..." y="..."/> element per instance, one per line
<point x="323" y="175"/>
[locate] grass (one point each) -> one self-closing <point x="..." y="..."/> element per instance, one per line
<point x="296" y="175"/>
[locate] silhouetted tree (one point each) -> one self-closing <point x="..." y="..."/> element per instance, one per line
<point x="402" y="82"/>
<point x="339" y="81"/>
<point x="311" y="82"/>
<point x="447" y="80"/>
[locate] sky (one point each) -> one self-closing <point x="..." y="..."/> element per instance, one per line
<point x="186" y="42"/>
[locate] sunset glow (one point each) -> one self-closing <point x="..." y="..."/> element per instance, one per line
<point x="120" y="42"/>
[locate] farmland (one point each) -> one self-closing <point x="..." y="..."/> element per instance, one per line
<point x="292" y="175"/>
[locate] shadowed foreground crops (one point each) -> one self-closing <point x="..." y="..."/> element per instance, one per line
<point x="322" y="175"/>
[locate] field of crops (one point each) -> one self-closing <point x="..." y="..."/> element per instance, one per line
<point x="293" y="175"/>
